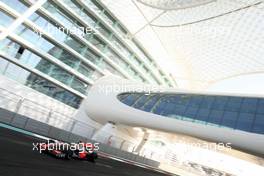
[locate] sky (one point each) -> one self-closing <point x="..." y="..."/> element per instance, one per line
<point x="246" y="84"/>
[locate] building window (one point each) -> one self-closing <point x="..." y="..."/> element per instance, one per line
<point x="40" y="84"/>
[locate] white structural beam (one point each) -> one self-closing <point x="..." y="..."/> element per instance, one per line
<point x="22" y="18"/>
<point x="142" y="142"/>
<point x="107" y="88"/>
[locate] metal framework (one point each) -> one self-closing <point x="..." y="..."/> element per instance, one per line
<point x="210" y="42"/>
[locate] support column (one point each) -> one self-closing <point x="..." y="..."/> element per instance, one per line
<point x="142" y="142"/>
<point x="105" y="133"/>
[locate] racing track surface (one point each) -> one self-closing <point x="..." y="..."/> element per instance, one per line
<point x="18" y="158"/>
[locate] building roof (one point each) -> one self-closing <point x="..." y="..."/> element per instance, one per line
<point x="202" y="41"/>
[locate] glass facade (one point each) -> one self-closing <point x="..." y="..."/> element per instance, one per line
<point x="38" y="83"/>
<point x="53" y="41"/>
<point x="242" y="113"/>
<point x="31" y="60"/>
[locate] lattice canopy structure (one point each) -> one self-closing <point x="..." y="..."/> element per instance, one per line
<point x="206" y="40"/>
<point x="174" y="4"/>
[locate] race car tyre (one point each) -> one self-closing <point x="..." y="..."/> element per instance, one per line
<point x="68" y="154"/>
<point x="91" y="157"/>
<point x="95" y="156"/>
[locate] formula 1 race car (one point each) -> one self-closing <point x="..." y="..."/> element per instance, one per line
<point x="86" y="151"/>
<point x="83" y="151"/>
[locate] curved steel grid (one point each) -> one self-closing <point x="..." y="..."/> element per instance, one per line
<point x="229" y="44"/>
<point x="174" y="4"/>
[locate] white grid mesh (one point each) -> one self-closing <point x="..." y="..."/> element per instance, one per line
<point x="219" y="40"/>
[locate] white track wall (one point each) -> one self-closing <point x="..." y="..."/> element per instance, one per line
<point x="35" y="96"/>
<point x="25" y="101"/>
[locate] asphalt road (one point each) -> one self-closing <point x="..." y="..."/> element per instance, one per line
<point x="18" y="158"/>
